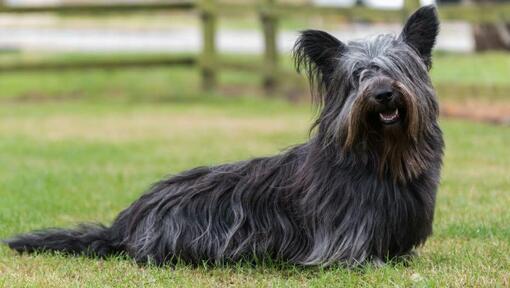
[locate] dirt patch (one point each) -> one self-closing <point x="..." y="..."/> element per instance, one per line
<point x="496" y="113"/>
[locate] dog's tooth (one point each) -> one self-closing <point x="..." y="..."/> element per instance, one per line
<point x="389" y="116"/>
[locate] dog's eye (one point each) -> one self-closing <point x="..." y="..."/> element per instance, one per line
<point x="357" y="74"/>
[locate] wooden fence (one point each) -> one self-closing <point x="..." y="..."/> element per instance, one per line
<point x="269" y="13"/>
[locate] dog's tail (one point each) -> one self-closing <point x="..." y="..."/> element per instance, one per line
<point x="88" y="239"/>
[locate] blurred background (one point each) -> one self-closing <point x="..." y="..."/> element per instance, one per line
<point x="230" y="47"/>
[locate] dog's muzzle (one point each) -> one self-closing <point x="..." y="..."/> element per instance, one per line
<point x="386" y="107"/>
<point x="383" y="105"/>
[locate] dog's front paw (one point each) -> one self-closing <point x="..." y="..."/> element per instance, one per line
<point x="377" y="262"/>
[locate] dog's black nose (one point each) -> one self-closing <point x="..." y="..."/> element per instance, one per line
<point x="383" y="95"/>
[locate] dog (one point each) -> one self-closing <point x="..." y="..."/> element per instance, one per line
<point x="361" y="190"/>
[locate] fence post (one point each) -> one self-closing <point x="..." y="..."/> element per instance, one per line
<point x="409" y="7"/>
<point x="208" y="60"/>
<point x="269" y="27"/>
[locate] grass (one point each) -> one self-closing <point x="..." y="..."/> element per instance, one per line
<point x="62" y="163"/>
<point x="458" y="77"/>
<point x="86" y="158"/>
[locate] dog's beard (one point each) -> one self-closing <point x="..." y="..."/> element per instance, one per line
<point x="391" y="134"/>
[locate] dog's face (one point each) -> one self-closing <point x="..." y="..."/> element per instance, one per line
<point x="375" y="94"/>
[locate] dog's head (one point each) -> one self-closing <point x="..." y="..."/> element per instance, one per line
<point x="375" y="95"/>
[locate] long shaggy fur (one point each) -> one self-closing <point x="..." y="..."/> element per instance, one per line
<point x="354" y="192"/>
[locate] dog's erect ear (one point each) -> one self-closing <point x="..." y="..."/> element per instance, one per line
<point x="420" y="31"/>
<point x="317" y="53"/>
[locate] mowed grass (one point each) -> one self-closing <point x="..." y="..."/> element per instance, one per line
<point x="64" y="163"/>
<point x="81" y="146"/>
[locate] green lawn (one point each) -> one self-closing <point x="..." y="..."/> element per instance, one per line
<point x="65" y="162"/>
<point x="112" y="133"/>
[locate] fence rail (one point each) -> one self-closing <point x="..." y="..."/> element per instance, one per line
<point x="269" y="12"/>
<point x="102" y="62"/>
<point x="83" y="8"/>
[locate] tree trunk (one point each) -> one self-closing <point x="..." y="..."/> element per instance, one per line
<point x="491" y="36"/>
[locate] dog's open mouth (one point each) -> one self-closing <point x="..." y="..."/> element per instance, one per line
<point x="390" y="116"/>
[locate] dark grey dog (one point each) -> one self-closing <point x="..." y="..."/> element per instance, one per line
<point x="363" y="188"/>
